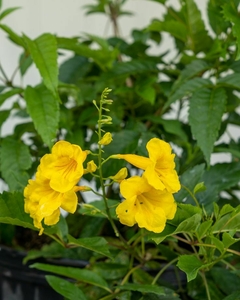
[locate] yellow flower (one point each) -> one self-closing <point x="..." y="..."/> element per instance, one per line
<point x="159" y="167"/>
<point x="121" y="174"/>
<point x="64" y="166"/>
<point x="43" y="203"/>
<point x="106" y="139"/>
<point x="144" y="205"/>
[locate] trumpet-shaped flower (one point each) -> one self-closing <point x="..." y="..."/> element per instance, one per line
<point x="159" y="167"/>
<point x="144" y="205"/>
<point x="64" y="166"/>
<point x="43" y="203"/>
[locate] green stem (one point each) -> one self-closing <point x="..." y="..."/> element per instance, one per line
<point x="205" y="284"/>
<point x="163" y="270"/>
<point x="192" y="195"/>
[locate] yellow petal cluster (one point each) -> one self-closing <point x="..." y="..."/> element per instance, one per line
<point x="148" y="207"/>
<point x="54" y="186"/>
<point x="149" y="199"/>
<point x="159" y="166"/>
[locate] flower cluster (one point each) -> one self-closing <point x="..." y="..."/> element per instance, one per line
<point x="148" y="199"/>
<point x="55" y="184"/>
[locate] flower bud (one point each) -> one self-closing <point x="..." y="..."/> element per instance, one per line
<point x="120" y="176"/>
<point x="91" y="167"/>
<point x="106" y="139"/>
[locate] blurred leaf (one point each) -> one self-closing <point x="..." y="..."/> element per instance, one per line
<point x="231" y="15"/>
<point x="214" y="10"/>
<point x="12" y="210"/>
<point x="200" y="187"/>
<point x="206" y="107"/>
<point x="222" y="276"/>
<point x="82" y="275"/>
<point x="198" y="39"/>
<point x="44" y="110"/>
<point x="7" y="12"/>
<point x="4" y="114"/>
<point x="233" y="296"/>
<point x="146" y="90"/>
<point x="110" y="271"/>
<point x="98" y="209"/>
<point x="143" y="288"/>
<point x="12" y="92"/>
<point x="13" y="36"/>
<point x="189" y="264"/>
<point x="25" y="61"/>
<point x="15" y="159"/>
<point x="96" y="244"/>
<point x="43" y="51"/>
<point x="65" y="288"/>
<point x="231" y="81"/>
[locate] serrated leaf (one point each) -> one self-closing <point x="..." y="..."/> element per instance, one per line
<point x="82" y="275"/>
<point x="189" y="224"/>
<point x="207" y="107"/>
<point x="65" y="288"/>
<point x="43" y="108"/>
<point x="8" y="94"/>
<point x="219" y="244"/>
<point x="227" y="208"/>
<point x="43" y="51"/>
<point x="142" y="288"/>
<point x="186" y="89"/>
<point x="216" y="21"/>
<point x="12" y="210"/>
<point x="228" y="240"/>
<point x="232" y="15"/>
<point x="189" y="264"/>
<point x="15" y="159"/>
<point x="7" y="12"/>
<point x="96" y="244"/>
<point x="231" y="81"/>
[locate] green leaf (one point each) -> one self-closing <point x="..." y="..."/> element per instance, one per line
<point x="215" y="18"/>
<point x="228" y="240"/>
<point x="4" y="114"/>
<point x="207" y="107"/>
<point x="82" y="275"/>
<point x="233" y="296"/>
<point x="96" y="244"/>
<point x="7" y="12"/>
<point x="44" y="110"/>
<point x="65" y="288"/>
<point x="12" y="210"/>
<point x="25" y="61"/>
<point x="231" y="15"/>
<point x="198" y="39"/>
<point x="98" y="209"/>
<point x="142" y="288"/>
<point x="44" y="54"/>
<point x="231" y="81"/>
<point x="200" y="187"/>
<point x="186" y="89"/>
<point x="219" y="244"/>
<point x="145" y="89"/>
<point x="9" y="94"/>
<point x="189" y="264"/>
<point x="203" y="228"/>
<point x="13" y="36"/>
<point x="15" y="159"/>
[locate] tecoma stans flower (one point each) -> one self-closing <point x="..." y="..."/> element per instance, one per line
<point x="159" y="167"/>
<point x="43" y="203"/>
<point x="64" y="166"/>
<point x="144" y="205"/>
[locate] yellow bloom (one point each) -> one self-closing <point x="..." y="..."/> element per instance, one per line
<point x="43" y="203"/>
<point x="159" y="167"/>
<point x="121" y="174"/>
<point x="64" y="166"/>
<point x="106" y="139"/>
<point x="144" y="205"/>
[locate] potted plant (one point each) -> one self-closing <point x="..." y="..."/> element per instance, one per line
<point x="186" y="217"/>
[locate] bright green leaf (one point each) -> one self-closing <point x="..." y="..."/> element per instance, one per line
<point x="13" y="36"/>
<point x="200" y="187"/>
<point x="203" y="228"/>
<point x="219" y="244"/>
<point x="207" y="107"/>
<point x="228" y="240"/>
<point x="82" y="275"/>
<point x="7" y="12"/>
<point x="44" y="110"/>
<point x="25" y="61"/>
<point x="65" y="288"/>
<point x="44" y="54"/>
<point x="189" y="264"/>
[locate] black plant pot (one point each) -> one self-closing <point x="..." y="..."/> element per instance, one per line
<point x="19" y="282"/>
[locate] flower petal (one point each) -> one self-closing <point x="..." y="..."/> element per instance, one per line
<point x="126" y="211"/>
<point x="69" y="202"/>
<point x="140" y="162"/>
<point x="53" y="218"/>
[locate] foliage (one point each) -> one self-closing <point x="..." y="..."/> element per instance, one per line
<point x="192" y="108"/>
